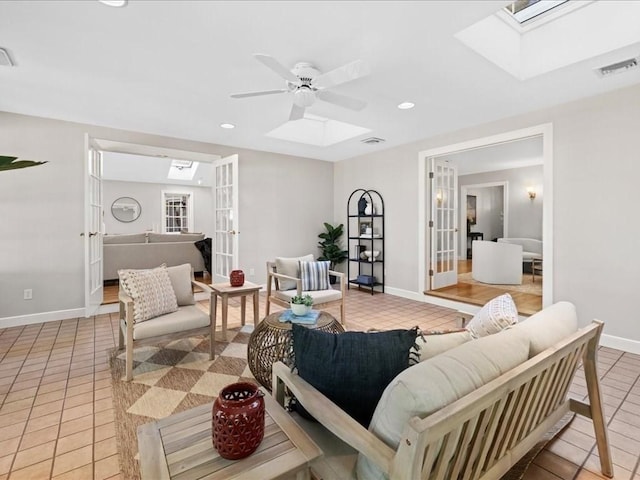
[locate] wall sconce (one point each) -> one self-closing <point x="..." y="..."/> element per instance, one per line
<point x="439" y="198"/>
<point x="532" y="192"/>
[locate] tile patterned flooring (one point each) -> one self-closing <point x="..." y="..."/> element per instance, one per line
<point x="56" y="414"/>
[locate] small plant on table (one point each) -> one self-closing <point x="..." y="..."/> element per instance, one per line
<point x="301" y="304"/>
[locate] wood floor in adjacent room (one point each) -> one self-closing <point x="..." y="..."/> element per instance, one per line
<point x="479" y="294"/>
<point x="56" y="411"/>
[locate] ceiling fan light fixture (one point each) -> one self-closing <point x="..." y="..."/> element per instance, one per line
<point x="406" y="105"/>
<point x="304" y="97"/>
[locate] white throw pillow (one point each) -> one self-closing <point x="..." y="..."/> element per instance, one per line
<point x="496" y="315"/>
<point x="150" y="290"/>
<point x="549" y="326"/>
<point x="427" y="387"/>
<point x="291" y="268"/>
<point x="434" y="342"/>
<point x="180" y="277"/>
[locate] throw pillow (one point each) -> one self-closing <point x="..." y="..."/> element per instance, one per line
<point x="496" y="315"/>
<point x="314" y="275"/>
<point x="150" y="290"/>
<point x="434" y="342"/>
<point x="291" y="268"/>
<point x="180" y="277"/>
<point x="352" y="369"/>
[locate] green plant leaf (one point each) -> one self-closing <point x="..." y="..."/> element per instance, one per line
<point x="9" y="163"/>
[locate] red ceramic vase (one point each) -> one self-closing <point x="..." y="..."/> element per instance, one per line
<point x="236" y="278"/>
<point x="238" y="420"/>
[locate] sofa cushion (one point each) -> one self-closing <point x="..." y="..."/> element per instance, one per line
<point x="352" y="369"/>
<point x="314" y="275"/>
<point x="497" y="314"/>
<point x="124" y="238"/>
<point x="151" y="291"/>
<point x="427" y="387"/>
<point x="183" y="319"/>
<point x="434" y="342"/>
<point x="549" y="326"/>
<point x="180" y="277"/>
<point x="171" y="237"/>
<point x="291" y="268"/>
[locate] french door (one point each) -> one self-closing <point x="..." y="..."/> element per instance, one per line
<point x="93" y="231"/>
<point x="225" y="206"/>
<point x="443" y="222"/>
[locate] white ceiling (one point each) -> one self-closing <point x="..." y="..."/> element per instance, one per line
<point x="168" y="67"/>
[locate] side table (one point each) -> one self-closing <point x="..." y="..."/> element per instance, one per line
<point x="272" y="341"/>
<point x="181" y="446"/>
<point x="226" y="291"/>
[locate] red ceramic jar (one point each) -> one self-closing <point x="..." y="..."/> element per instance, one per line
<point x="236" y="278"/>
<point x="238" y="420"/>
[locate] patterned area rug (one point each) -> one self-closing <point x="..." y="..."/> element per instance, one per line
<point x="528" y="285"/>
<point x="180" y="376"/>
<point x="172" y="379"/>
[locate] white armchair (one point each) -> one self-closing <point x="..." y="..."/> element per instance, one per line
<point x="284" y="284"/>
<point x="496" y="263"/>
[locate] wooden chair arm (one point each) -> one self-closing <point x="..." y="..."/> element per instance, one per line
<point x="282" y="276"/>
<point x="332" y="417"/>
<point x="203" y="286"/>
<point x="124" y="298"/>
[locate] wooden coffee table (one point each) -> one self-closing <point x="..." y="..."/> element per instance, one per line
<point x="181" y="446"/>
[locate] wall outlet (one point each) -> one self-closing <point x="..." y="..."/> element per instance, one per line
<point x="252" y="272"/>
<point x="28" y="294"/>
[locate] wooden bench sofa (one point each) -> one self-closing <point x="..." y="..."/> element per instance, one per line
<point x="482" y="434"/>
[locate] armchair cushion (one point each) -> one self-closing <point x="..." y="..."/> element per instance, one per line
<point x="434" y="342"/>
<point x="352" y="369"/>
<point x="319" y="296"/>
<point x="180" y="277"/>
<point x="314" y="275"/>
<point x="291" y="268"/>
<point x="151" y="291"/>
<point x="498" y="313"/>
<point x="185" y="318"/>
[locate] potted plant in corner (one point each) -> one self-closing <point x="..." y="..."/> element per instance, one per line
<point x="331" y="248"/>
<point x="301" y="304"/>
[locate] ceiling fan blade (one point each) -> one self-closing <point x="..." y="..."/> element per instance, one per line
<point x="296" y="112"/>
<point x="343" y="74"/>
<point x="277" y="67"/>
<point x="257" y="94"/>
<point x="341" y="100"/>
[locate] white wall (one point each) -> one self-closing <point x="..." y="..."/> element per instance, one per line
<point x="149" y="195"/>
<point x="525" y="215"/>
<point x="595" y="169"/>
<point x="284" y="201"/>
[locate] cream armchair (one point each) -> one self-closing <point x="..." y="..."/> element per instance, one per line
<point x="187" y="321"/>
<point x="284" y="284"/>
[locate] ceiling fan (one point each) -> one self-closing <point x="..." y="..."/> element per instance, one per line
<point x="307" y="84"/>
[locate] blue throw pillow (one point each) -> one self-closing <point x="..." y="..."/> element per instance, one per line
<point x="352" y="369"/>
<point x="314" y="275"/>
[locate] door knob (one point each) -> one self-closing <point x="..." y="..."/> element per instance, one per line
<point x="231" y="232"/>
<point x="93" y="234"/>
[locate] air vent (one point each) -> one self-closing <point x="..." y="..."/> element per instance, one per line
<point x="618" y="67"/>
<point x="5" y="59"/>
<point x="372" y="140"/>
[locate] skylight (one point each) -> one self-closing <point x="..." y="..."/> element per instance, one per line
<point x="525" y="10"/>
<point x="182" y="170"/>
<point x="315" y="130"/>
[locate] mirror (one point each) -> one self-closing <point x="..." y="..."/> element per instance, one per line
<point x="126" y="209"/>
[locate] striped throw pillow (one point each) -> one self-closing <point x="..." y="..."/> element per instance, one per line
<point x="314" y="275"/>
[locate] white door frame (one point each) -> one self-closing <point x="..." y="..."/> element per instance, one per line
<point x="462" y="254"/>
<point x="546" y="132"/>
<point x="225" y="242"/>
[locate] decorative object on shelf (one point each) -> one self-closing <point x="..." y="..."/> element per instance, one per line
<point x="365" y="236"/>
<point x="236" y="278"/>
<point x="301" y="304"/>
<point x="9" y="163"/>
<point x="371" y="254"/>
<point x="237" y="420"/>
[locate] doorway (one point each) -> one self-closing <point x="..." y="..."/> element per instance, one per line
<point x="427" y="198"/>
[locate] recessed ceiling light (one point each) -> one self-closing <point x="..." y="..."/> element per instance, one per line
<point x="406" y="105"/>
<point x="114" y="3"/>
<point x="227" y="125"/>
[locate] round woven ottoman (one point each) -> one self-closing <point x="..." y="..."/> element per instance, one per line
<point x="271" y="341"/>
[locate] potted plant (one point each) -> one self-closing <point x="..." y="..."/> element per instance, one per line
<point x="330" y="246"/>
<point x="301" y="304"/>
<point x="9" y="163"/>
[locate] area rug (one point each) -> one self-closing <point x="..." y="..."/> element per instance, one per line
<point x="528" y="285"/>
<point x="169" y="380"/>
<point x="180" y="376"/>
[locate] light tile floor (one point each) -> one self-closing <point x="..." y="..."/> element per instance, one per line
<point x="56" y="415"/>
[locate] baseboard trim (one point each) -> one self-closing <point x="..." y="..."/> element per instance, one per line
<point x="44" y="317"/>
<point x="619" y="343"/>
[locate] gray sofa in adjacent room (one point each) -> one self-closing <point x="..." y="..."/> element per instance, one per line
<point x="148" y="250"/>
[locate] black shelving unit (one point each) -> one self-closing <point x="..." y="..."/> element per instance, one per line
<point x="361" y="271"/>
